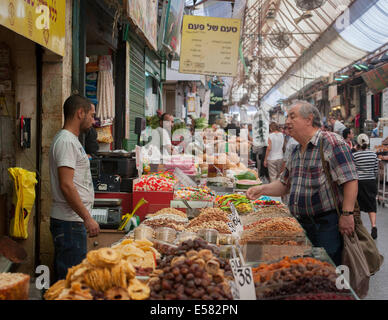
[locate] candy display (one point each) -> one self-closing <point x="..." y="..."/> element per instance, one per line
<point x="241" y="202"/>
<point x="194" y="194"/>
<point x="155" y="182"/>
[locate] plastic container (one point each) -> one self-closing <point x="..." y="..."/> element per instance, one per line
<point x="226" y="239"/>
<point x="144" y="232"/>
<point x="210" y="235"/>
<point x="184" y="236"/>
<point x="165" y="234"/>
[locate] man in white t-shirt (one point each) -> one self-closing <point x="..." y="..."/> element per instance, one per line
<point x="274" y="155"/>
<point x="71" y="187"/>
<point x="161" y="136"/>
<point x="338" y="127"/>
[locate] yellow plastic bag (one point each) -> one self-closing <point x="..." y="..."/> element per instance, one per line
<point x="23" y="200"/>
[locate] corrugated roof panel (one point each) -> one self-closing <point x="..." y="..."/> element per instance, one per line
<point x="368" y="29"/>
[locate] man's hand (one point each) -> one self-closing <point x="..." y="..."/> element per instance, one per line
<point x="346" y="225"/>
<point x="265" y="163"/>
<point x="92" y="227"/>
<point x="255" y="192"/>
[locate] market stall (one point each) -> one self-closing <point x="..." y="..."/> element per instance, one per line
<point x="191" y="244"/>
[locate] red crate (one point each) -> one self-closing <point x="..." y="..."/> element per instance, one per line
<point x="156" y="201"/>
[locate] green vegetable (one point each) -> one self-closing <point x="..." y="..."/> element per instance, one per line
<point x="246" y="176"/>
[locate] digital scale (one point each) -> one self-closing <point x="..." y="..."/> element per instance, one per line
<point x="107" y="213"/>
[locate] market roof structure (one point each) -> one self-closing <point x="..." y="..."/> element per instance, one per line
<point x="288" y="44"/>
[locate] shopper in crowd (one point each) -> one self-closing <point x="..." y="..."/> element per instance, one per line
<point x="338" y="126"/>
<point x="367" y="166"/>
<point x="311" y="200"/>
<point x="348" y="135"/>
<point x="71" y="187"/>
<point x="375" y="131"/>
<point x="161" y="137"/>
<point x="233" y="126"/>
<point x="91" y="144"/>
<point x="274" y="155"/>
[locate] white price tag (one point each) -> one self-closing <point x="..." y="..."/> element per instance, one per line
<point x="243" y="278"/>
<point x="235" y="218"/>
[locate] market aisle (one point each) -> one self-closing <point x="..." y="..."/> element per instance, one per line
<point x="378" y="286"/>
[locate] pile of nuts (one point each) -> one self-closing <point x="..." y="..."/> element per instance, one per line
<point x="195" y="275"/>
<point x="220" y="226"/>
<point x="178" y="226"/>
<point x="210" y="218"/>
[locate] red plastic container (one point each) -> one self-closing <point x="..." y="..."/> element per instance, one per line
<point x="157" y="200"/>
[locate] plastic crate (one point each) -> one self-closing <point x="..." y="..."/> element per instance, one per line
<point x="156" y="201"/>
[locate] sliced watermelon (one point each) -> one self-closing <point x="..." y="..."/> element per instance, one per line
<point x="246" y="184"/>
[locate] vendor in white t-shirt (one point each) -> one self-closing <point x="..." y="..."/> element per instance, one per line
<point x="71" y="187"/>
<point x="161" y="137"/>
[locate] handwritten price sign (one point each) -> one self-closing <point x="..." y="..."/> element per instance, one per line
<point x="243" y="278"/>
<point x="236" y="221"/>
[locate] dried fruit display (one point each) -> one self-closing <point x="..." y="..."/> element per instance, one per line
<point x="210" y="219"/>
<point x="107" y="273"/>
<point x="194" y="275"/>
<point x="321" y="296"/>
<point x="295" y="276"/>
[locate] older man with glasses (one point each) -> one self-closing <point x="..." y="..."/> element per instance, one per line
<point x="311" y="199"/>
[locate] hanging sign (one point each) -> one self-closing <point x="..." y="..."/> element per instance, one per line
<point x="385" y="103"/>
<point x="144" y="14"/>
<point x="209" y="46"/>
<point x="42" y="21"/>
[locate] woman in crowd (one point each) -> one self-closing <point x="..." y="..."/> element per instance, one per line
<point x="274" y="155"/>
<point x="367" y="168"/>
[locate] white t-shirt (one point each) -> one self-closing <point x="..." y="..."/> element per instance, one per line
<point x="161" y="140"/>
<point x="67" y="151"/>
<point x="277" y="140"/>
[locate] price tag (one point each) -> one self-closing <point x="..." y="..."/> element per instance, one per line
<point x="234" y="290"/>
<point x="235" y="218"/>
<point x="243" y="278"/>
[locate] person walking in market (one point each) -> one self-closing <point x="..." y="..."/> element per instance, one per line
<point x="367" y="165"/>
<point x="348" y="135"/>
<point x="71" y="187"/>
<point x="311" y="200"/>
<point x="274" y="155"/>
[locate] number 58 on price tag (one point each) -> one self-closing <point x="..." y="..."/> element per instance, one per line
<point x="244" y="280"/>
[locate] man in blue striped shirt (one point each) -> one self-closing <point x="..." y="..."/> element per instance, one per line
<point x="311" y="200"/>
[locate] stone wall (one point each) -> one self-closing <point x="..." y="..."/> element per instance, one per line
<point x="56" y="89"/>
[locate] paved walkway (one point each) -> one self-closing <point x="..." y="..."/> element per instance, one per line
<point x="378" y="285"/>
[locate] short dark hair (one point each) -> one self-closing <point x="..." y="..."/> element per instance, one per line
<point x="273" y="127"/>
<point x="345" y="133"/>
<point x="74" y="103"/>
<point x="164" y="116"/>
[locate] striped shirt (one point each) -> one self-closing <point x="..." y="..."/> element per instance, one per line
<point x="367" y="164"/>
<point x="309" y="189"/>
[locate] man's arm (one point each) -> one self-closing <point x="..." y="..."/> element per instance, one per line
<point x="66" y="184"/>
<point x="346" y="223"/>
<point x="274" y="189"/>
